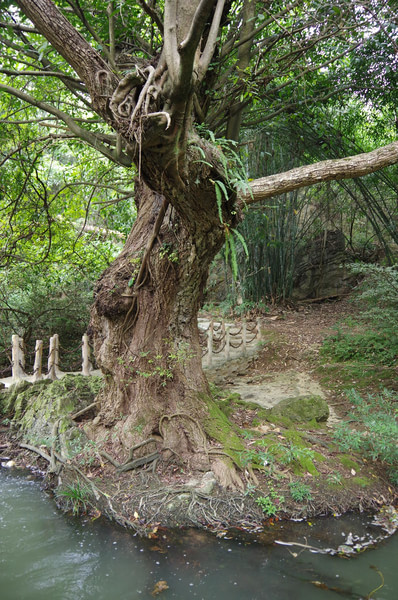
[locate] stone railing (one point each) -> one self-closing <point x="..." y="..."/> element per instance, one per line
<point x="53" y="364"/>
<point x="221" y="341"/>
<point x="228" y="340"/>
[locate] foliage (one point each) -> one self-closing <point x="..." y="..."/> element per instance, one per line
<point x="376" y="431"/>
<point x="372" y="337"/>
<point x="334" y="478"/>
<point x="76" y="496"/>
<point x="294" y="453"/>
<point x="39" y="302"/>
<point x="271" y="504"/>
<point x="369" y="346"/>
<point x="61" y="224"/>
<point x="300" y="491"/>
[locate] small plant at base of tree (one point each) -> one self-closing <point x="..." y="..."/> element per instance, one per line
<point x="76" y="497"/>
<point x="334" y="479"/>
<point x="299" y="491"/>
<point x="272" y="503"/>
<point x="294" y="453"/>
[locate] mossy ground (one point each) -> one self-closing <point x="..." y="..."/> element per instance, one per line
<point x="282" y="452"/>
<point x="279" y="452"/>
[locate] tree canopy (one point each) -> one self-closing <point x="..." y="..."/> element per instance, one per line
<point x="244" y="64"/>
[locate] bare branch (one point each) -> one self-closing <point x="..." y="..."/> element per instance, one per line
<point x="153" y="13"/>
<point x="208" y="51"/>
<point x="326" y="170"/>
<point x="91" y="138"/>
<point x="232" y="44"/>
<point x="59" y="74"/>
<point x="170" y="39"/>
<point x="19" y="27"/>
<point x="80" y="13"/>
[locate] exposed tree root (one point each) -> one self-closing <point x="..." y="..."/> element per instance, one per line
<point x="84" y="410"/>
<point x="139" y="462"/>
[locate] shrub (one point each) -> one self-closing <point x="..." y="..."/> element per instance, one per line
<point x="376" y="338"/>
<point x="376" y="433"/>
<point x="300" y="491"/>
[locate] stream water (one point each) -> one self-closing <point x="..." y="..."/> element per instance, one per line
<point x="47" y="555"/>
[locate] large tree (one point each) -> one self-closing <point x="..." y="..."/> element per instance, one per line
<point x="151" y="72"/>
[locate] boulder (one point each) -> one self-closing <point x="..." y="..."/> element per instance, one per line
<point x="301" y="409"/>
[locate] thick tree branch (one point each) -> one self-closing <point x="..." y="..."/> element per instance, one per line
<point x="190" y="43"/>
<point x="68" y="42"/>
<point x="326" y="170"/>
<point x="211" y="42"/>
<point x="111" y="26"/>
<point x="170" y="40"/>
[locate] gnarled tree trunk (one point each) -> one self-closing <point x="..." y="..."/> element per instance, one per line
<point x="145" y="331"/>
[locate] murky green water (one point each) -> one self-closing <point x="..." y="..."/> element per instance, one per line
<point x="45" y="555"/>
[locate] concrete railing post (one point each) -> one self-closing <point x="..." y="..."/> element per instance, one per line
<point x="37" y="367"/>
<point x="210" y="344"/>
<point x="18" y="358"/>
<point x="227" y="343"/>
<point x="87" y="367"/>
<point x="244" y="337"/>
<point x="258" y="328"/>
<point x="53" y="358"/>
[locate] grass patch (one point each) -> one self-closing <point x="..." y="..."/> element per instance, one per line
<point x="220" y="428"/>
<point x="374" y="432"/>
<point x="348" y="462"/>
<point x="342" y="376"/>
<point x="362" y="482"/>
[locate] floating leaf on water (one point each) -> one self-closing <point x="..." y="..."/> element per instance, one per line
<point x="160" y="586"/>
<point x="320" y="584"/>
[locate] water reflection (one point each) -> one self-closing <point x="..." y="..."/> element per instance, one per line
<point x="45" y="555"/>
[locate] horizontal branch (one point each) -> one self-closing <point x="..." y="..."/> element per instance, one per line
<point x="15" y="73"/>
<point x="91" y="138"/>
<point x="326" y="170"/>
<point x="18" y="27"/>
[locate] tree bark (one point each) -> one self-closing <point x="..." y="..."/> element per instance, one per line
<point x="145" y="332"/>
<point x="326" y="170"/>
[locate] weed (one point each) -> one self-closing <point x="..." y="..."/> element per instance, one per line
<point x="267" y="506"/>
<point x="376" y="339"/>
<point x="258" y="458"/>
<point x="293" y="453"/>
<point x="76" y="496"/>
<point x="334" y="479"/>
<point x="300" y="491"/>
<point x="376" y="433"/>
<point x="250" y="489"/>
<point x="272" y="503"/>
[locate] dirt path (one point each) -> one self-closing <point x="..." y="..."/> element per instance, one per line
<point x="285" y="366"/>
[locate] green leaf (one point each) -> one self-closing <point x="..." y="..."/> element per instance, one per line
<point x="242" y="241"/>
